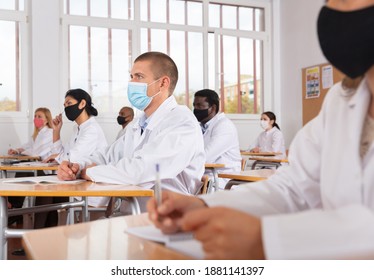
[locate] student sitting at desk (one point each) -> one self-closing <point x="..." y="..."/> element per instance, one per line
<point x="40" y="144"/>
<point x="271" y="139"/>
<point x="221" y="142"/>
<point x="87" y="138"/>
<point x="165" y="133"/>
<point x="321" y="206"/>
<point x="125" y="116"/>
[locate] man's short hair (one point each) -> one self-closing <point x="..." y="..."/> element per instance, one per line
<point x="162" y="65"/>
<point x="211" y="97"/>
<point x="131" y="110"/>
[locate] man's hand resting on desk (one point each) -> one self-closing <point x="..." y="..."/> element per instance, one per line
<point x="168" y="215"/>
<point x="67" y="171"/>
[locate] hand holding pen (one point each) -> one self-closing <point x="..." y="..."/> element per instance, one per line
<point x="67" y="171"/>
<point x="158" y="186"/>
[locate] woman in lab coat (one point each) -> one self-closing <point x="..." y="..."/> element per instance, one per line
<point x="321" y="206"/>
<point x="87" y="137"/>
<point x="40" y="143"/>
<point x="271" y="139"/>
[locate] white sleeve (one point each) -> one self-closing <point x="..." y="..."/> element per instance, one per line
<point x="344" y="233"/>
<point x="57" y="147"/>
<point x="255" y="143"/>
<point x="171" y="148"/>
<point x="28" y="147"/>
<point x="221" y="141"/>
<point x="277" y="142"/>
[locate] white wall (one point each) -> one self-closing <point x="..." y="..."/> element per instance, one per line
<point x="299" y="48"/>
<point x="295" y="46"/>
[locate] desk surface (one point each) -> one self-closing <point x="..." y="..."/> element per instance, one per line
<point x="214" y="165"/>
<point x="269" y="159"/>
<point x="101" y="240"/>
<point x="19" y="157"/>
<point x="28" y="167"/>
<point x="263" y="154"/>
<point x="84" y="188"/>
<point x="249" y="175"/>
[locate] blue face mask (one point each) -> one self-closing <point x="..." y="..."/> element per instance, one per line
<point x="137" y="94"/>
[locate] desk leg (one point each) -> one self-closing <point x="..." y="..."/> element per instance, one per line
<point x="134" y="204"/>
<point x="85" y="210"/>
<point x="3" y="227"/>
<point x="3" y="174"/>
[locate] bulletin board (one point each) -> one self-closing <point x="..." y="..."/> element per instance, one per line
<point x="317" y="80"/>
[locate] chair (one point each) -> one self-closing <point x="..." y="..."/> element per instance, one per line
<point x="205" y="183"/>
<point x="113" y="206"/>
<point x="244" y="163"/>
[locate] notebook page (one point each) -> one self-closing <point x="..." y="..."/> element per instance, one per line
<point x="182" y="242"/>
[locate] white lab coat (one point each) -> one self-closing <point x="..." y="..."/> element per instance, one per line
<point x="270" y="141"/>
<point x="172" y="139"/>
<point x="222" y="146"/>
<point x="327" y="191"/>
<point x="87" y="138"/>
<point x="121" y="132"/>
<point x="42" y="146"/>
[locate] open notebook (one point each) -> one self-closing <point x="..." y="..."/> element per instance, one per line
<point x="182" y="242"/>
<point x="41" y="180"/>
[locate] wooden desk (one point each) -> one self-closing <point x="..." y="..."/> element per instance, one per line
<point x="19" y="157"/>
<point x="4" y="168"/>
<point x="262" y="154"/>
<point x="83" y="189"/>
<point x="214" y="166"/>
<point x="246" y="176"/>
<point x="275" y="160"/>
<point x="99" y="240"/>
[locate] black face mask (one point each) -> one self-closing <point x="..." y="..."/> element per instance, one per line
<point x="201" y="114"/>
<point x="121" y="120"/>
<point x="347" y="39"/>
<point x="72" y="112"/>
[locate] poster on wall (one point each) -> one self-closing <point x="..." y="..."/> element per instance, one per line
<point x="312" y="83"/>
<point x="327" y="77"/>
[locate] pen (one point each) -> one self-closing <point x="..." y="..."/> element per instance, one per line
<point x="158" y="185"/>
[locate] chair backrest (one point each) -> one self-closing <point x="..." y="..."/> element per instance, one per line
<point x="204" y="184"/>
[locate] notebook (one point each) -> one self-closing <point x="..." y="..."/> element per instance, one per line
<point x="41" y="180"/>
<point x="182" y="242"/>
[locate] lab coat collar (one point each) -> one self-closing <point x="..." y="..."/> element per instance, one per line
<point x="86" y="123"/>
<point x="168" y="105"/>
<point x="44" y="129"/>
<point x="358" y="106"/>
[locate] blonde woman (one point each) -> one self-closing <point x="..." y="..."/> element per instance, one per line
<point x="41" y="142"/>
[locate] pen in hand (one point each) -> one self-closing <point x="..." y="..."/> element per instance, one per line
<point x="158" y="186"/>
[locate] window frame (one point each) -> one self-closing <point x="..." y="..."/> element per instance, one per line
<point x="136" y="24"/>
<point x="25" y="66"/>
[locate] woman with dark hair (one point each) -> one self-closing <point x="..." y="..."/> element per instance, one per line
<point x="87" y="137"/>
<point x="271" y="139"/>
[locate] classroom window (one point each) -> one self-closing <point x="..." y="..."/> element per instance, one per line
<point x="12" y="19"/>
<point x="225" y="52"/>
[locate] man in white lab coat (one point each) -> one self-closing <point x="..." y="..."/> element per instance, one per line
<point x="220" y="135"/>
<point x="321" y="206"/>
<point x="165" y="133"/>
